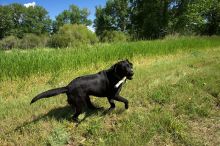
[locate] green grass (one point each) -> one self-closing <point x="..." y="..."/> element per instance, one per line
<point x="18" y="63"/>
<point x="173" y="98"/>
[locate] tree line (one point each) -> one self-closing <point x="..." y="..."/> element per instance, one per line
<point x="152" y="19"/>
<point x="117" y="20"/>
<point x="17" y="19"/>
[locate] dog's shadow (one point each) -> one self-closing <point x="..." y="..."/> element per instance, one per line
<point x="59" y="114"/>
<point x="66" y="113"/>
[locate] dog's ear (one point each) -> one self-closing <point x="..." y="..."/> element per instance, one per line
<point x="114" y="67"/>
<point x="129" y="62"/>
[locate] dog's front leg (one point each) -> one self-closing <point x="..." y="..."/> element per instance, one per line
<point x="121" y="99"/>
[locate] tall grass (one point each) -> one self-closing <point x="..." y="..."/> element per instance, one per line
<point x="17" y="63"/>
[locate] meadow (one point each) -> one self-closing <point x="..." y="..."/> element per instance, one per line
<point x="174" y="96"/>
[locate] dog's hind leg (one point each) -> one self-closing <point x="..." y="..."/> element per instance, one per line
<point x="70" y="100"/>
<point x="79" y="104"/>
<point x="111" y="102"/>
<point x="89" y="103"/>
<point x="76" y="104"/>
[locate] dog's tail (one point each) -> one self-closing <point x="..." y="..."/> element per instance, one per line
<point x="49" y="93"/>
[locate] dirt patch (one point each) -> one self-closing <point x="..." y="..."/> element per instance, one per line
<point x="206" y="130"/>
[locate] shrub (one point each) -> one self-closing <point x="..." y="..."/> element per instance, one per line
<point x="9" y="42"/>
<point x="30" y="41"/>
<point x="43" y="40"/>
<point x="59" y="41"/>
<point x="113" y="36"/>
<point x="72" y="36"/>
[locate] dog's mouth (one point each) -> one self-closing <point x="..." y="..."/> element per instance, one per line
<point x="130" y="76"/>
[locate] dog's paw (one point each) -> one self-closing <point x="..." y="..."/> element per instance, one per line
<point x="111" y="109"/>
<point x="100" y="108"/>
<point x="96" y="108"/>
<point x="75" y="120"/>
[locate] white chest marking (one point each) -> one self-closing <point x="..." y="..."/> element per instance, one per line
<point x="120" y="82"/>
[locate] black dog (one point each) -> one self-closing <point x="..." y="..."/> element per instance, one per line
<point x="101" y="84"/>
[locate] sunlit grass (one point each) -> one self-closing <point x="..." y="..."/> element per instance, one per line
<point x="17" y="63"/>
<point x="173" y="100"/>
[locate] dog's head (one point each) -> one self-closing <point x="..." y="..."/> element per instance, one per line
<point x="124" y="68"/>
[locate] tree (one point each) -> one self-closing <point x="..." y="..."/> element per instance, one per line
<point x="178" y="19"/>
<point x="74" y="15"/>
<point x="102" y="21"/>
<point x="149" y="18"/>
<point x="212" y="18"/>
<point x="114" y="16"/>
<point x="18" y="20"/>
<point x="195" y="16"/>
<point x="79" y="16"/>
<point x="6" y="21"/>
<point x="36" y="20"/>
<point x="140" y="18"/>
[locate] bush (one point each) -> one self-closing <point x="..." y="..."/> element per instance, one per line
<point x="30" y="41"/>
<point x="72" y="36"/>
<point x="59" y="41"/>
<point x="27" y="42"/>
<point x="113" y="36"/>
<point x="9" y="42"/>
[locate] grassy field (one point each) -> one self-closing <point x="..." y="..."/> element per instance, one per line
<point x="174" y="96"/>
<point x="23" y="64"/>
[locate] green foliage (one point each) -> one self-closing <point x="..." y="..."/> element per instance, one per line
<point x="102" y="21"/>
<point x="74" y="15"/>
<point x="114" y="16"/>
<point x="9" y="42"/>
<point x="30" y="41"/>
<point x="149" y="19"/>
<point x="213" y="19"/>
<point x="17" y="20"/>
<point x="59" y="41"/>
<point x="37" y="62"/>
<point x="6" y="22"/>
<point x="72" y="36"/>
<point x="142" y="19"/>
<point x="36" y="20"/>
<point x="154" y="19"/>
<point x="195" y="17"/>
<point x="113" y="36"/>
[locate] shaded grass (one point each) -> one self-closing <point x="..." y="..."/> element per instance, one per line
<point x="23" y="64"/>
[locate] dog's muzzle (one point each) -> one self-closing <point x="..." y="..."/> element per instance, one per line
<point x="130" y="75"/>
